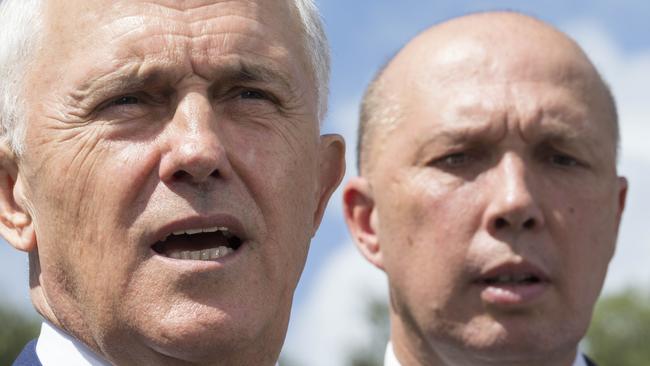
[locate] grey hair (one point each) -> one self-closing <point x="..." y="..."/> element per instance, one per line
<point x="20" y="24"/>
<point x="20" y="28"/>
<point x="317" y="49"/>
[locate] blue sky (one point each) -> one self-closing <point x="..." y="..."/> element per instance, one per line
<point x="363" y="36"/>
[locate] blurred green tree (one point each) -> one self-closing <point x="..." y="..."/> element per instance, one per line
<point x="16" y="329"/>
<point x="620" y="331"/>
<point x="372" y="354"/>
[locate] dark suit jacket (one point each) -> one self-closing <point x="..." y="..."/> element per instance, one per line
<point x="589" y="361"/>
<point x="28" y="356"/>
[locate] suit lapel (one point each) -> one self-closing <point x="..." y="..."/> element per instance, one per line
<point x="589" y="361"/>
<point x="28" y="356"/>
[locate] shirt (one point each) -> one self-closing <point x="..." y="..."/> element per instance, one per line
<point x="391" y="360"/>
<point x="56" y="347"/>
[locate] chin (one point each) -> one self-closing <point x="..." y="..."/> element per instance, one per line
<point x="516" y="341"/>
<point x="209" y="334"/>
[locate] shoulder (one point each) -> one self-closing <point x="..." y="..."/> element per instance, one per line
<point x="28" y="356"/>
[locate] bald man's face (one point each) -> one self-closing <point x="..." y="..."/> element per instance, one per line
<point x="496" y="200"/>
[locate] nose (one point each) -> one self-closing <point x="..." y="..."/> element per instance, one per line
<point x="513" y="205"/>
<point x="194" y="151"/>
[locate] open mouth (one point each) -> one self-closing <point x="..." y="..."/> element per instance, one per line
<point x="514" y="279"/>
<point x="204" y="244"/>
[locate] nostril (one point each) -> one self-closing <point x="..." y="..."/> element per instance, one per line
<point x="181" y="174"/>
<point x="215" y="174"/>
<point x="529" y="224"/>
<point x="500" y="223"/>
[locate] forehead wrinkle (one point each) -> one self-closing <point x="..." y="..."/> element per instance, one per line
<point x="193" y="21"/>
<point x="210" y="50"/>
<point x="186" y="7"/>
<point x="564" y="118"/>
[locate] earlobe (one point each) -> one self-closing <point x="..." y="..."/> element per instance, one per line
<point x="331" y="170"/>
<point x="361" y="217"/>
<point x="15" y="222"/>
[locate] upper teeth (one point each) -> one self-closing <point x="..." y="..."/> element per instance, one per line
<point x="512" y="278"/>
<point x="224" y="230"/>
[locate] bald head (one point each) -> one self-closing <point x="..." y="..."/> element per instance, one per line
<point x="492" y="47"/>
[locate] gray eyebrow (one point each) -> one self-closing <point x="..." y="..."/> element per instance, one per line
<point x="130" y="77"/>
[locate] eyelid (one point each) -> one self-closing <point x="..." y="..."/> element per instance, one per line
<point x="443" y="160"/>
<point x="110" y="102"/>
<point x="572" y="161"/>
<point x="267" y="95"/>
<point x="549" y="153"/>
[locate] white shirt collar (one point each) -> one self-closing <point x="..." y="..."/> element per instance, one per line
<point x="391" y="360"/>
<point x="55" y="347"/>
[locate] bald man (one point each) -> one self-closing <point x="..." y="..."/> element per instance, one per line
<point x="488" y="193"/>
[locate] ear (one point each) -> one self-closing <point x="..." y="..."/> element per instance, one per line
<point x="622" y="196"/>
<point x="15" y="223"/>
<point x="332" y="170"/>
<point x="361" y="216"/>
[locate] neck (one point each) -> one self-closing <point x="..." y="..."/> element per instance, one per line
<point x="413" y="348"/>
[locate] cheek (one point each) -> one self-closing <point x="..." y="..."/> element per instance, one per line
<point x="280" y="171"/>
<point x="425" y="233"/>
<point x="280" y="174"/>
<point x="76" y="191"/>
<point x="586" y="230"/>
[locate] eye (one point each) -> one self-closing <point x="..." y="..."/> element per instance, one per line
<point x="563" y="160"/>
<point x="454" y="160"/>
<point x="125" y="100"/>
<point x="253" y="94"/>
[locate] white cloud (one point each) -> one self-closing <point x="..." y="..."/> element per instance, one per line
<point x="331" y="320"/>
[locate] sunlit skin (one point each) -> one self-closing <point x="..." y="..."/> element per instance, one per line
<point x="503" y="154"/>
<point x="149" y="116"/>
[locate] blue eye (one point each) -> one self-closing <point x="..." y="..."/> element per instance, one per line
<point x="252" y="94"/>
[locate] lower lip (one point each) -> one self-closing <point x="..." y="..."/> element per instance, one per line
<point x="509" y="295"/>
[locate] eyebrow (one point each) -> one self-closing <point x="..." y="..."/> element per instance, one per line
<point x="246" y="71"/>
<point x="128" y="78"/>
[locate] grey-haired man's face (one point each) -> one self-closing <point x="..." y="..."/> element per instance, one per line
<point x="151" y="121"/>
